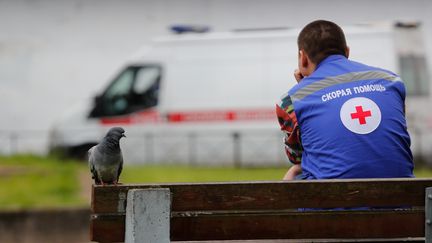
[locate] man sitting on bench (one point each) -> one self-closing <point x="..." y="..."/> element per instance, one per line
<point x="343" y="119"/>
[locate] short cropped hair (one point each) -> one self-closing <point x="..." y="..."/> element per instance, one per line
<point x="320" y="39"/>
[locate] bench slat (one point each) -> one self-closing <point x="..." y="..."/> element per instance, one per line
<point x="287" y="225"/>
<point x="273" y="195"/>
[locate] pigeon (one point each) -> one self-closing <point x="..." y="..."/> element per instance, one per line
<point x="105" y="159"/>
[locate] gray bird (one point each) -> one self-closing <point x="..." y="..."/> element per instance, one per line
<point x="106" y="159"/>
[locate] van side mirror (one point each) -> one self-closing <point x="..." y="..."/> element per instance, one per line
<point x="96" y="110"/>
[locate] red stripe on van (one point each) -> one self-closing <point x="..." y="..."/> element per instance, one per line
<point x="215" y="116"/>
<point x="149" y="116"/>
<point x="192" y="116"/>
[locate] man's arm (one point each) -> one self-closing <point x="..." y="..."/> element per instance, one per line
<point x="288" y="123"/>
<point x="293" y="171"/>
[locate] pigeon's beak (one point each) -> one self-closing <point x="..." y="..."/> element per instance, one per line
<point x="123" y="135"/>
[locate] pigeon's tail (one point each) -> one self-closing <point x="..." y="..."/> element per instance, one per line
<point x="94" y="175"/>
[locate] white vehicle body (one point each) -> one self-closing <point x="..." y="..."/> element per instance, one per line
<point x="212" y="96"/>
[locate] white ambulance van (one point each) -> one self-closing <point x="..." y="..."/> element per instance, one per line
<point x="206" y="98"/>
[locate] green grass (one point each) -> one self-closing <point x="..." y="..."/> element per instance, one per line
<point x="423" y="172"/>
<point x="36" y="182"/>
<point x="142" y="174"/>
<point x="29" y="181"/>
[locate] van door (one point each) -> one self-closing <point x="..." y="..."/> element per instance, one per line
<point x="136" y="88"/>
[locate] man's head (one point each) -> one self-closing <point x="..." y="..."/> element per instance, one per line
<point x="318" y="40"/>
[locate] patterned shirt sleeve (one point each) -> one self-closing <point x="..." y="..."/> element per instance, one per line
<point x="288" y="123"/>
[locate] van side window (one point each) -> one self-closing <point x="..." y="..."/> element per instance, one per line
<point x="412" y="58"/>
<point x="145" y="78"/>
<point x="414" y="73"/>
<point x="135" y="88"/>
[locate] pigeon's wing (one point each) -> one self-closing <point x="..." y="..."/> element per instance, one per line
<point x="91" y="162"/>
<point x="120" y="167"/>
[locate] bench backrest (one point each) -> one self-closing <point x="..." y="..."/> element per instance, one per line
<point x="269" y="210"/>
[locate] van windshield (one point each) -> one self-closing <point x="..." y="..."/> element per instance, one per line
<point x="136" y="88"/>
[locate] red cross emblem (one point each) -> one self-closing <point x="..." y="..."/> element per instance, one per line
<point x="356" y="121"/>
<point x="361" y="115"/>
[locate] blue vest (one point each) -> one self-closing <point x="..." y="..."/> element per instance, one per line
<point x="352" y="122"/>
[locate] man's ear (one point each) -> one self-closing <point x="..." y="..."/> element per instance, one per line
<point x="347" y="51"/>
<point x="303" y="59"/>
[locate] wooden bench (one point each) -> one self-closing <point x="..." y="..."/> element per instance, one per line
<point x="263" y="210"/>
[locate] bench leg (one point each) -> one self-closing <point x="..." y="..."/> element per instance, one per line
<point x="428" y="215"/>
<point x="148" y="216"/>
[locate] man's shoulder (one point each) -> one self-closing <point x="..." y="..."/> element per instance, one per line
<point x="365" y="67"/>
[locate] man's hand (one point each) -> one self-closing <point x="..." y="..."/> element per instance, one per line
<point x="297" y="75"/>
<point x="293" y="171"/>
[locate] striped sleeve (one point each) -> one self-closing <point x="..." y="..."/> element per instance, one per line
<point x="289" y="125"/>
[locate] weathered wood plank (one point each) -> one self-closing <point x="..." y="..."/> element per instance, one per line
<point x="274" y="195"/>
<point x="398" y="240"/>
<point x="107" y="228"/>
<point x="287" y="225"/>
